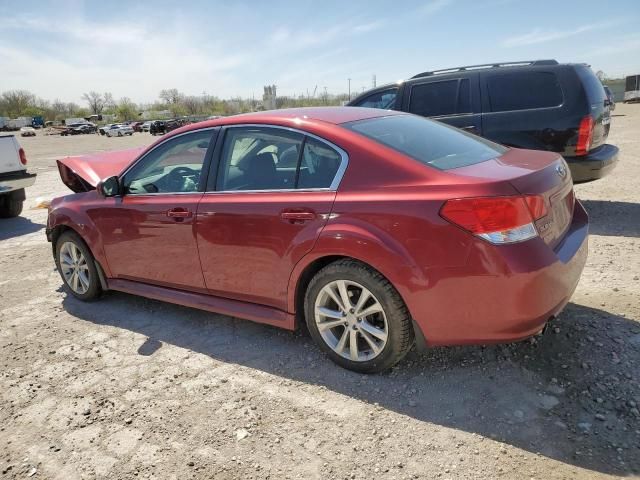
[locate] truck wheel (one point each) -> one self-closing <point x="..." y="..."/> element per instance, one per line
<point x="11" y="204"/>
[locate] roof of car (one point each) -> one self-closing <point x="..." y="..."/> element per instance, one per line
<point x="333" y="115"/>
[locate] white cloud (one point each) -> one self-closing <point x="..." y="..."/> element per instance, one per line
<point x="433" y="7"/>
<point x="540" y="35"/>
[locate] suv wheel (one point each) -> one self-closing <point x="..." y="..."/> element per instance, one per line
<point x="10" y="205"/>
<point x="357" y="317"/>
<point x="77" y="267"/>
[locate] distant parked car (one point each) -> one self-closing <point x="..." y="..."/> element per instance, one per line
<point x="85" y="129"/>
<point x="632" y="89"/>
<point x="146" y="126"/>
<point x="119" y="131"/>
<point x="610" y="98"/>
<point x="158" y="127"/>
<point x="27" y="132"/>
<point x="137" y="126"/>
<point x="539" y="105"/>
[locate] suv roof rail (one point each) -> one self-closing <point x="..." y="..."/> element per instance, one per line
<point x="487" y="65"/>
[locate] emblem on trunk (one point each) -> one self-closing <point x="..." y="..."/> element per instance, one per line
<point x="561" y="170"/>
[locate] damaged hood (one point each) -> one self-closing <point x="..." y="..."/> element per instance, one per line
<point x="83" y="173"/>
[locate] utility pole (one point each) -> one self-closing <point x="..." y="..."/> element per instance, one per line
<point x="349" y="88"/>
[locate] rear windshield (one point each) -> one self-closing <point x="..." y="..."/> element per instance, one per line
<point x="592" y="86"/>
<point x="427" y="141"/>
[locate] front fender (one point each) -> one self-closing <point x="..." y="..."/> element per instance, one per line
<point x="65" y="211"/>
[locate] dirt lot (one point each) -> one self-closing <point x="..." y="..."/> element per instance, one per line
<point x="128" y="387"/>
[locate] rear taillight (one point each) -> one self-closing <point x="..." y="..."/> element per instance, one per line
<point x="585" y="134"/>
<point x="497" y="219"/>
<point x="23" y="157"/>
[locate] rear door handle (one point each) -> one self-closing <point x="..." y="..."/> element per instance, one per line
<point x="470" y="128"/>
<point x="297" y="217"/>
<point x="179" y="212"/>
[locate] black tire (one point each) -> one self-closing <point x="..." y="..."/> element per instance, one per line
<point x="400" y="335"/>
<point x="94" y="289"/>
<point x="10" y="205"/>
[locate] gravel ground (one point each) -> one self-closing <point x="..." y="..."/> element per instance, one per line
<point x="128" y="387"/>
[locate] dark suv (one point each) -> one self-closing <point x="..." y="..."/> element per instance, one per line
<point x="540" y="105"/>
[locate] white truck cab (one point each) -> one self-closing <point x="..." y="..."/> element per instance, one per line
<point x="13" y="177"/>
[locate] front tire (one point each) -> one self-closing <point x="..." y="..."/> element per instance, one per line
<point x="357" y="317"/>
<point x="77" y="267"/>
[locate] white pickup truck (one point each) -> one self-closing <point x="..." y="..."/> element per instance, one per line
<point x="13" y="177"/>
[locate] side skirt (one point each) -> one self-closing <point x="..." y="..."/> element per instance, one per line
<point x="224" y="306"/>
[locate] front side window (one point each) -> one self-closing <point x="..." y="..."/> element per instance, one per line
<point x="524" y="90"/>
<point x="385" y="99"/>
<point x="434" y="99"/>
<point x="172" y="167"/>
<point x="430" y="142"/>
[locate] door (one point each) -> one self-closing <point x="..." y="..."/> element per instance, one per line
<point x="454" y="101"/>
<point x="273" y="193"/>
<point x="148" y="232"/>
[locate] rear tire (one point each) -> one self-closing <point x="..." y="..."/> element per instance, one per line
<point x="77" y="267"/>
<point x="382" y="337"/>
<point x="10" y="205"/>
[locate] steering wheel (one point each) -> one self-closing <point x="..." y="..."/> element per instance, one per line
<point x="175" y="179"/>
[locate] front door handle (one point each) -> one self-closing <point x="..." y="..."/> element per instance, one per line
<point x="470" y="128"/>
<point x="179" y="212"/>
<point x="297" y="217"/>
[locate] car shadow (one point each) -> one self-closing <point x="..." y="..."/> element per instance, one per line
<point x="18" y="226"/>
<point x="619" y="219"/>
<point x="543" y="395"/>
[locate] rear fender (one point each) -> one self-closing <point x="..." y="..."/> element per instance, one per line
<point x="369" y="245"/>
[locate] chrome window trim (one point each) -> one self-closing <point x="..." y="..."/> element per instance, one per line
<point x="335" y="183"/>
<point x="169" y="139"/>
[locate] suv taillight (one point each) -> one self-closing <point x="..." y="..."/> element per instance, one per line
<point x="585" y="134"/>
<point x="23" y="157"/>
<point x="497" y="219"/>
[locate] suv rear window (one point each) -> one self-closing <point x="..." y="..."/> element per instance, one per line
<point x="523" y="91"/>
<point x="432" y="143"/>
<point x="592" y="86"/>
<point x="435" y="99"/>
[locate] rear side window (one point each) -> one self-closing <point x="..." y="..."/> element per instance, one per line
<point x="435" y="99"/>
<point x="592" y="86"/>
<point x="385" y="99"/>
<point x="318" y="166"/>
<point x="523" y="91"/>
<point x="432" y="143"/>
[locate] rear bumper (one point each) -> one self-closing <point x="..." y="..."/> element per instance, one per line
<point x="13" y="181"/>
<point x="597" y="164"/>
<point x="504" y="293"/>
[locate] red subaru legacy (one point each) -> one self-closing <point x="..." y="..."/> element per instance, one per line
<point x="378" y="229"/>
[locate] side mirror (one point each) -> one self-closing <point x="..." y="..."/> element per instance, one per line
<point x="109" y="187"/>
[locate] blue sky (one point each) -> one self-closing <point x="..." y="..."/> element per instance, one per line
<point x="60" y="49"/>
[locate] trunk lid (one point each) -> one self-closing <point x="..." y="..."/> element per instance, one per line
<point x="83" y="173"/>
<point x="534" y="173"/>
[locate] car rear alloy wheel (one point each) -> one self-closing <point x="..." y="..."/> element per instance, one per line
<point x="351" y="320"/>
<point x="77" y="266"/>
<point x="357" y="317"/>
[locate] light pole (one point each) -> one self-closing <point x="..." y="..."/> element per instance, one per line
<point x="349" y="88"/>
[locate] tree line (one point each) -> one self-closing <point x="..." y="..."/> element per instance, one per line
<point x="22" y="103"/>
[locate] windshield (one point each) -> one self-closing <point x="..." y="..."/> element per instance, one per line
<point x="430" y="142"/>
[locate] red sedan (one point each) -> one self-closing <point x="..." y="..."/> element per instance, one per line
<point x="378" y="229"/>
